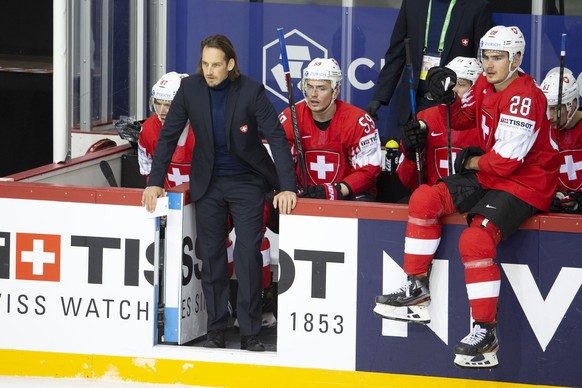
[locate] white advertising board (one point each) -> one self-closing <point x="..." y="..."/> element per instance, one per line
<point x="76" y="277"/>
<point x="318" y="265"/>
<point x="185" y="310"/>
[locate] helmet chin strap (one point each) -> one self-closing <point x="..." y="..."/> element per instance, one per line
<point x="510" y="74"/>
<point x="571" y="113"/>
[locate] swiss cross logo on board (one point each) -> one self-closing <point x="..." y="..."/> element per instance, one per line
<point x="301" y="50"/>
<point x="465" y="42"/>
<point x="322" y="166"/>
<point x="38" y="257"/>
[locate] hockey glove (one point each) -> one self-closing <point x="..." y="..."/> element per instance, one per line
<point x="128" y="129"/>
<point x="441" y="81"/>
<point x="414" y="138"/>
<point x="372" y="108"/>
<point x="325" y="191"/>
<point x="464" y="155"/>
<point x="567" y="203"/>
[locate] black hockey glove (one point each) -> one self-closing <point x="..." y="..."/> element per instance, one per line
<point x="441" y="81"/>
<point x="465" y="154"/>
<point x="325" y="191"/>
<point x="414" y="138"/>
<point x="566" y="203"/>
<point x="128" y="129"/>
<point x="372" y="108"/>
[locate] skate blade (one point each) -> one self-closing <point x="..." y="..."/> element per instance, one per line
<point x="417" y="314"/>
<point x="482" y="361"/>
<point x="268" y="321"/>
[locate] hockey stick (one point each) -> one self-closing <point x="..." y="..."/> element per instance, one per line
<point x="412" y="103"/>
<point x="560" y="84"/>
<point x="291" y="99"/>
<point x="106" y="170"/>
<point x="449" y="144"/>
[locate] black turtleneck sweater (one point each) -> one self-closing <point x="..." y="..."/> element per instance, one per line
<point x="224" y="163"/>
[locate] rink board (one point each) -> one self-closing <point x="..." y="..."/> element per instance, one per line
<point x="333" y="259"/>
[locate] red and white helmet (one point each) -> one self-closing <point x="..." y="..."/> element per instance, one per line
<point x="167" y="86"/>
<point x="323" y="69"/>
<point x="466" y="68"/>
<point x="570" y="91"/>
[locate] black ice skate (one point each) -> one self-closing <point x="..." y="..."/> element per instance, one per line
<point x="413" y="294"/>
<point x="479" y="348"/>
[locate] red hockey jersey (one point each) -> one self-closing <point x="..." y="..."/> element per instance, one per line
<point x="179" y="170"/>
<point x="514" y="130"/>
<point x="570" y="145"/>
<point x="347" y="151"/>
<point x="436" y="161"/>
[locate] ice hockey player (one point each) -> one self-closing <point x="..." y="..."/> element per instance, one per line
<point x="509" y="179"/>
<point x="568" y="196"/>
<point x="163" y="93"/>
<point x="340" y="141"/>
<point x="432" y="139"/>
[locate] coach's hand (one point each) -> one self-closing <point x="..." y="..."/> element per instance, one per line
<point x="285" y="201"/>
<point x="150" y="196"/>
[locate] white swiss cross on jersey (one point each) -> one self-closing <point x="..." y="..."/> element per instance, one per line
<point x="571" y="169"/>
<point x="441" y="160"/>
<point x="322" y="166"/>
<point x="178" y="173"/>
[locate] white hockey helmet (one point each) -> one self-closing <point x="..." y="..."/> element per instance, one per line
<point x="570" y="91"/>
<point x="501" y="38"/>
<point x="557" y="70"/>
<point x="466" y="68"/>
<point x="550" y="86"/>
<point x="167" y="86"/>
<point x="323" y="69"/>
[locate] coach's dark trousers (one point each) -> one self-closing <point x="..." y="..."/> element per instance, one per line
<point x="243" y="196"/>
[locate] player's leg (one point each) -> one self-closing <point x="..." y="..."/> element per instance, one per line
<point x="458" y="192"/>
<point x="423" y="232"/>
<point x="493" y="219"/>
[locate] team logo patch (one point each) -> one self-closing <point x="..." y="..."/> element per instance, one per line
<point x="571" y="169"/>
<point x="322" y="166"/>
<point x="441" y="160"/>
<point x="486" y="125"/>
<point x="465" y="42"/>
<point x="244" y="128"/>
<point x="38" y="257"/>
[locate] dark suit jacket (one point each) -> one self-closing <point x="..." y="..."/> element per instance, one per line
<point x="247" y="109"/>
<point x="470" y="19"/>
